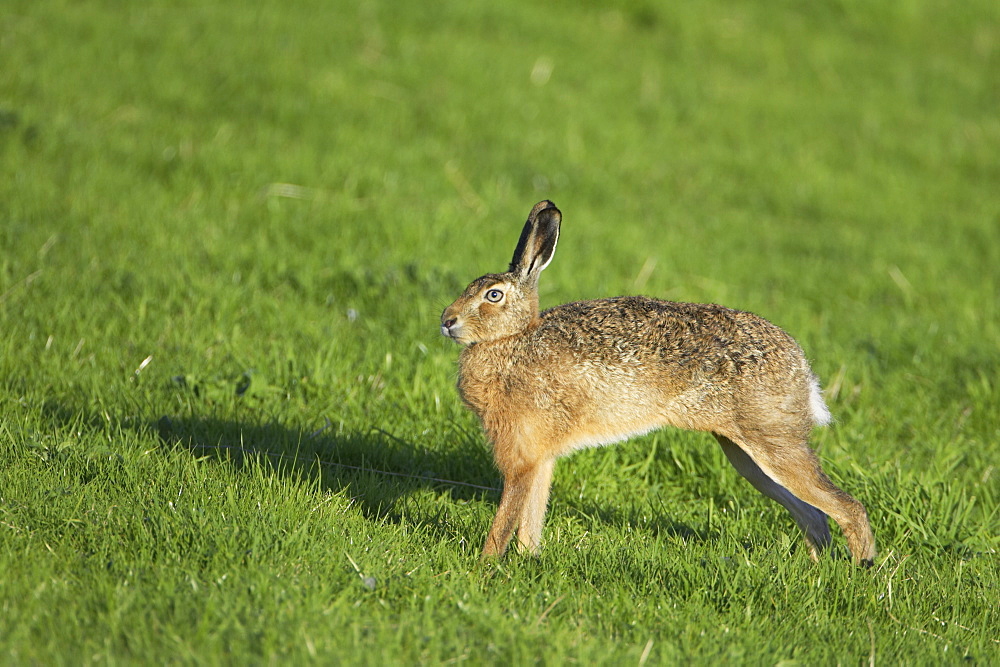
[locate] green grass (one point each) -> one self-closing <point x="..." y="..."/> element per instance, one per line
<point x="228" y="425"/>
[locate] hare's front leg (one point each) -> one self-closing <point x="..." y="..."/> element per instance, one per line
<point x="529" y="532"/>
<point x="525" y="495"/>
<point x="516" y="488"/>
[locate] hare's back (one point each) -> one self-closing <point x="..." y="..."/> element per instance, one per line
<point x="706" y="337"/>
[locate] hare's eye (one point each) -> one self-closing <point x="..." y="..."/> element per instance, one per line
<point x="494" y="296"/>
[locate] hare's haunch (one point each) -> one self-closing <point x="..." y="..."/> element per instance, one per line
<point x="596" y="372"/>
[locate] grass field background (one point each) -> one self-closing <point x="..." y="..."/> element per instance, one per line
<point x="228" y="425"/>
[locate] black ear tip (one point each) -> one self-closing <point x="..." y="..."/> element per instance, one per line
<point x="538" y="240"/>
<point x="543" y="205"/>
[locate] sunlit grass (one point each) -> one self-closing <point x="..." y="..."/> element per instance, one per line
<point x="230" y="431"/>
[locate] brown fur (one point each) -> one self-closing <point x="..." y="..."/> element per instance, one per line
<point x="596" y="372"/>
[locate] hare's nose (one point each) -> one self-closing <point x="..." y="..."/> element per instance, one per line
<point x="447" y="324"/>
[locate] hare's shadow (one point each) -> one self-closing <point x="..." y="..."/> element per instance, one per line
<point x="381" y="472"/>
<point x="376" y="469"/>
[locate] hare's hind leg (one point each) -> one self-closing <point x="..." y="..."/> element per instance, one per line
<point x="524" y="498"/>
<point x="793" y="465"/>
<point x="810" y="520"/>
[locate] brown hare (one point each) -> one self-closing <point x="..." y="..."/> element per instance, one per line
<point x="597" y="372"/>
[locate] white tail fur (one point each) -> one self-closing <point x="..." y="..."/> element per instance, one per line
<point x="820" y="413"/>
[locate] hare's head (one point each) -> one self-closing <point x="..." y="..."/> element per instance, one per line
<point x="498" y="305"/>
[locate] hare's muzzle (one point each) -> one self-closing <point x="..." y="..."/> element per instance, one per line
<point x="446" y="327"/>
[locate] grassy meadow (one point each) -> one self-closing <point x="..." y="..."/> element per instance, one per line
<point x="229" y="431"/>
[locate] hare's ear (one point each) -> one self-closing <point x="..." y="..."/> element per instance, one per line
<point x="538" y="241"/>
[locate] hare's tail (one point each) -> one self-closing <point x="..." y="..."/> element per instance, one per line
<point x="820" y="413"/>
